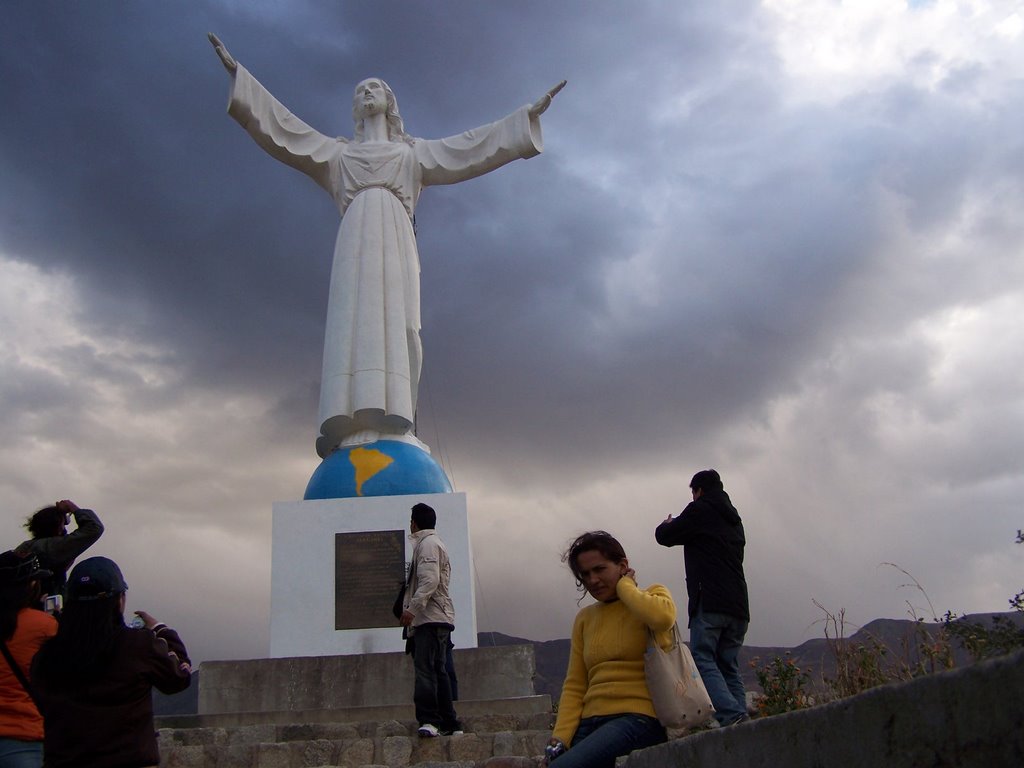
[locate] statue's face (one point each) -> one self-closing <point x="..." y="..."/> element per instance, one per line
<point x="370" y="98"/>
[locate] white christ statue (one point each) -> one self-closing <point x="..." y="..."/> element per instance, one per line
<point x="372" y="351"/>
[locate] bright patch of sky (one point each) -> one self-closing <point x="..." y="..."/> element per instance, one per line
<point x="834" y="49"/>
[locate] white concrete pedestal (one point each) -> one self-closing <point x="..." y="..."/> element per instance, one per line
<point x="302" y="576"/>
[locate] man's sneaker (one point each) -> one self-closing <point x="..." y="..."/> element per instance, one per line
<point x="428" y="731"/>
<point x="453" y="728"/>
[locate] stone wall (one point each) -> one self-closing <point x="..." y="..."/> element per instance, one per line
<point x="969" y="718"/>
<point x="334" y="682"/>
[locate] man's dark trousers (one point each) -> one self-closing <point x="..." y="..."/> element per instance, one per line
<point x="432" y="694"/>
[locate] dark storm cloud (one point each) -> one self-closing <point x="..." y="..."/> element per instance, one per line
<point x="121" y="177"/>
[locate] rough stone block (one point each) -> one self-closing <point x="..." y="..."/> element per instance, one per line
<point x="391" y="728"/>
<point x="509" y="743"/>
<point x="166" y="736"/>
<point x="355" y="752"/>
<point x="536" y="741"/>
<point x="395" y="750"/>
<point x="252" y="734"/>
<point x="236" y="756"/>
<point x="429" y="750"/>
<point x="541" y="721"/>
<point x="317" y="752"/>
<point x="272" y="756"/>
<point x="315" y="731"/>
<point x="340" y="732"/>
<point x="302" y="732"/>
<point x="193" y="736"/>
<point x="367" y="729"/>
<point x="183" y="757"/>
<point x="470" y="748"/>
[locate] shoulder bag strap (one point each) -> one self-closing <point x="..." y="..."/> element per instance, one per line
<point x="18" y="673"/>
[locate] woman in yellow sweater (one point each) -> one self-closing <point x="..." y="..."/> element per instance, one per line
<point x="605" y="710"/>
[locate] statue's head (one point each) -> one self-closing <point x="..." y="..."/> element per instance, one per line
<point x="374" y="96"/>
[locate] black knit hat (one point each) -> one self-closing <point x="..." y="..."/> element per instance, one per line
<point x="17" y="569"/>
<point x="95" y="579"/>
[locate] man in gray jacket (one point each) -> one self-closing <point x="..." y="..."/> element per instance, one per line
<point x="54" y="546"/>
<point x="429" y="616"/>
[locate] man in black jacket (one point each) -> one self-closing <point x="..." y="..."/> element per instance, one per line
<point x="711" y="534"/>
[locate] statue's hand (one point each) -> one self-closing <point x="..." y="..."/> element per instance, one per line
<point x="226" y="58"/>
<point x="541" y="105"/>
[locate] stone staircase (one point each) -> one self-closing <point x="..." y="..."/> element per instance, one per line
<point x="493" y="739"/>
<point x="356" y="711"/>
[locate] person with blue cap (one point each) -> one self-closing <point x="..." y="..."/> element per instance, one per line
<point x="94" y="679"/>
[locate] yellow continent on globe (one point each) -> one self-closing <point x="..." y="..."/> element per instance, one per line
<point x="367" y="462"/>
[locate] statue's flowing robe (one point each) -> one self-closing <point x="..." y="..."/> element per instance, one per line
<point x="372" y="350"/>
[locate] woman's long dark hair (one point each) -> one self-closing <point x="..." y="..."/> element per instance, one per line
<point x="13" y="598"/>
<point x="84" y="644"/>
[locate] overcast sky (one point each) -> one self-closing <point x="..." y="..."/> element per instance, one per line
<point x="782" y="239"/>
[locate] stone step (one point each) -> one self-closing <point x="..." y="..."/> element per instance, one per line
<point x="391" y="743"/>
<point x="520" y="709"/>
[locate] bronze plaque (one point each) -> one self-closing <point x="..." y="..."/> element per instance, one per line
<point x="369" y="568"/>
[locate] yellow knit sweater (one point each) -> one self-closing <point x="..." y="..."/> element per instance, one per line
<point x="606" y="661"/>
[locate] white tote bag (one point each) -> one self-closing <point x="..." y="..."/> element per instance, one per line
<point x="679" y="696"/>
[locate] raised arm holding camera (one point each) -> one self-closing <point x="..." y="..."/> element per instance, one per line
<point x="54" y="546"/>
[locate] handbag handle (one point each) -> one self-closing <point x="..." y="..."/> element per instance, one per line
<point x="652" y="639"/>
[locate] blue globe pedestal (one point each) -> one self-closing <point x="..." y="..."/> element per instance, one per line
<point x="380" y="468"/>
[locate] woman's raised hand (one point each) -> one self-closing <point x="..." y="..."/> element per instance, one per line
<point x="226" y="58"/>
<point x="541" y="105"/>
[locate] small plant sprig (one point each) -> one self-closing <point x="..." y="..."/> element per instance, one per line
<point x="859" y="666"/>
<point x="925" y="650"/>
<point x="784" y="685"/>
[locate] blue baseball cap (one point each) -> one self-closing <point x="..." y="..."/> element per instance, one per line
<point x="95" y="579"/>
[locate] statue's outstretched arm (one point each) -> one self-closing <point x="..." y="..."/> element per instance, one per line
<point x="229" y="61"/>
<point x="539" y="107"/>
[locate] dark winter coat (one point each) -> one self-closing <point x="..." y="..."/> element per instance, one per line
<point x="109" y="722"/>
<point x="711" y="533"/>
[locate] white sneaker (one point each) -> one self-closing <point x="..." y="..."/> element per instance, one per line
<point x="428" y="731"/>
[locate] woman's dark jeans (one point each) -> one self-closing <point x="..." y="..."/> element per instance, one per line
<point x="599" y="740"/>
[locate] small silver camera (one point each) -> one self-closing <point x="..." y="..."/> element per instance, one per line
<point x="53" y="604"/>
